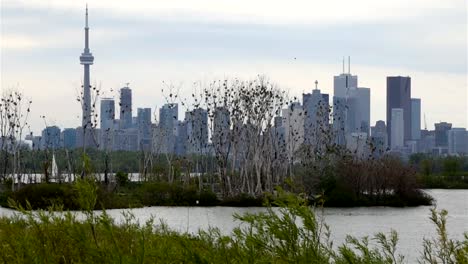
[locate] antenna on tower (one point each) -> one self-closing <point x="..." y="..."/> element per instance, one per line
<point x="86" y="14"/>
<point x="343" y="65"/>
<point x="316" y="84"/>
<point x="349" y="64"/>
<point x="127" y="84"/>
<point x="425" y="122"/>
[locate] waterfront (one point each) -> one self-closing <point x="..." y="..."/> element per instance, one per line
<point x="411" y="223"/>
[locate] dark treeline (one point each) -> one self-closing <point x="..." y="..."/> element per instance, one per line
<point x="449" y="172"/>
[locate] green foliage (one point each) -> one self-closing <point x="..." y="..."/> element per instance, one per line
<point x="121" y="178"/>
<point x="451" y="166"/>
<point x="289" y="233"/>
<point x="442" y="249"/>
<point x="86" y="190"/>
<point x="46" y="195"/>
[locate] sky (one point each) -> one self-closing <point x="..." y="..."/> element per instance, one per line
<point x="151" y="44"/>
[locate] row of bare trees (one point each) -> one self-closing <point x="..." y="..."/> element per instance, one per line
<point x="14" y="113"/>
<point x="252" y="143"/>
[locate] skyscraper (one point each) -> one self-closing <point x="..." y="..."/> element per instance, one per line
<point x="398" y="128"/>
<point x="144" y="127"/>
<point x="221" y="130"/>
<point x="125" y="108"/>
<point x="86" y="59"/>
<point x="441" y="134"/>
<point x="399" y="96"/>
<point x="379" y="138"/>
<point x="457" y="141"/>
<point x="351" y="106"/>
<point x="69" y="138"/>
<point x="50" y="138"/>
<point x="415" y="118"/>
<point x="293" y="118"/>
<point x="167" y="127"/>
<point x="344" y="82"/>
<point x="197" y="130"/>
<point x="316" y="114"/>
<point x="107" y="122"/>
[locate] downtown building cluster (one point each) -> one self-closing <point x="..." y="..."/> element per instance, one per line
<point x="345" y="116"/>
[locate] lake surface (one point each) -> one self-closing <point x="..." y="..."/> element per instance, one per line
<point x="412" y="224"/>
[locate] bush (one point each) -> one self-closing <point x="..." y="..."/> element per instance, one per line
<point x="41" y="196"/>
<point x="121" y="178"/>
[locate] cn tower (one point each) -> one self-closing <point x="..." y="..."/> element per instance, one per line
<point x="86" y="59"/>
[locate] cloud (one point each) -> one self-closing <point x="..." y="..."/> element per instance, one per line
<point x="146" y="42"/>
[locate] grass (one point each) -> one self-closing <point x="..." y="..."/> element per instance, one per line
<point x="274" y="236"/>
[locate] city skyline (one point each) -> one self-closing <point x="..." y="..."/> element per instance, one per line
<point x="292" y="71"/>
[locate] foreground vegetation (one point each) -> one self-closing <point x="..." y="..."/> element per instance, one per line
<point x="290" y="234"/>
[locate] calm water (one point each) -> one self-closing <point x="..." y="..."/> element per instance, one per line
<point x="412" y="224"/>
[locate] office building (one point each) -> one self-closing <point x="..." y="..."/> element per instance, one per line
<point x="197" y="130"/>
<point x="50" y="138"/>
<point x="399" y="96"/>
<point x="221" y="130"/>
<point x="441" y="134"/>
<point x="167" y="127"/>
<point x="415" y="118"/>
<point x="293" y="118"/>
<point x="457" y="141"/>
<point x="397" y="138"/>
<point x="69" y="138"/>
<point x="144" y="128"/>
<point x="379" y="138"/>
<point x="107" y="123"/>
<point x="125" y="108"/>
<point x="316" y="108"/>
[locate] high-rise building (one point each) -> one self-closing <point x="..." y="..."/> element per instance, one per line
<point x="427" y="142"/>
<point x="125" y="108"/>
<point x="167" y="127"/>
<point x="50" y="138"/>
<point x="339" y="120"/>
<point x="69" y="138"/>
<point x="358" y="111"/>
<point x="182" y="139"/>
<point x="399" y="96"/>
<point x="415" y="118"/>
<point x="293" y="117"/>
<point x="398" y="129"/>
<point x="125" y="139"/>
<point x="197" y="130"/>
<point x="351" y="107"/>
<point x="107" y="123"/>
<point x="144" y="127"/>
<point x="379" y="138"/>
<point x="221" y="130"/>
<point x="457" y="141"/>
<point x="344" y="82"/>
<point x="316" y="115"/>
<point x="441" y="134"/>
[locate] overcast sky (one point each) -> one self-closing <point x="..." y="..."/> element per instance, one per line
<point x="182" y="42"/>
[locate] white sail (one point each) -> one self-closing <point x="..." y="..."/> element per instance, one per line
<point x="54" y="171"/>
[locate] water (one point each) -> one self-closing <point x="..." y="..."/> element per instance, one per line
<point x="412" y="224"/>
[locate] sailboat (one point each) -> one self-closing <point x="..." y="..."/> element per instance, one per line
<point x="54" y="170"/>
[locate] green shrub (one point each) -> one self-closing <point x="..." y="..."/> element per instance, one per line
<point x="41" y="196"/>
<point x="121" y="178"/>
